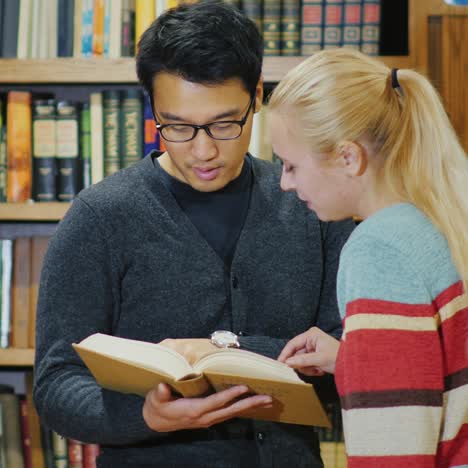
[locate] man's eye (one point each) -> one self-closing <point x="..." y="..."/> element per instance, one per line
<point x="221" y="126"/>
<point x="179" y="128"/>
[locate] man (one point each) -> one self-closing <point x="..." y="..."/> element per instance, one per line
<point x="180" y="245"/>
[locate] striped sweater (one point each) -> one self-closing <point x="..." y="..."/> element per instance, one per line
<point x="402" y="370"/>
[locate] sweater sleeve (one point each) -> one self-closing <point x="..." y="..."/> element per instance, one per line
<point x="77" y="299"/>
<point x="390" y="367"/>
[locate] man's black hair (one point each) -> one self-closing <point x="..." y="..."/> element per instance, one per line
<point x="206" y="43"/>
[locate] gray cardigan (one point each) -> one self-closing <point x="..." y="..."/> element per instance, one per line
<point x="126" y="261"/>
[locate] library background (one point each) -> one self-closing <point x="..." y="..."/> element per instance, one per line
<point x="71" y="113"/>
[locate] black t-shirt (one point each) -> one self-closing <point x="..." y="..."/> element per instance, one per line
<point x="219" y="216"/>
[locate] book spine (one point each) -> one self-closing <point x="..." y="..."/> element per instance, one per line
<point x="25" y="434"/>
<point x="19" y="135"/>
<point x="332" y="31"/>
<point x="3" y="156"/>
<point x="128" y="29"/>
<point x="12" y="430"/>
<point x="115" y="31"/>
<point x="352" y="24"/>
<point x="67" y="150"/>
<point x="144" y="16"/>
<point x="7" y="271"/>
<point x="10" y="25"/>
<point x="111" y="125"/>
<point x="65" y="22"/>
<point x="312" y="26"/>
<point x="90" y="453"/>
<point x="75" y="454"/>
<point x="107" y="22"/>
<point x="44" y="150"/>
<point x="77" y="27"/>
<point x="87" y="28"/>
<point x="21" y="280"/>
<point x="24" y="29"/>
<point x="151" y="132"/>
<point x="132" y="128"/>
<point x="272" y="27"/>
<point x="38" y="250"/>
<point x="34" y="425"/>
<point x="371" y="13"/>
<point x="290" y="28"/>
<point x="46" y="445"/>
<point x="59" y="450"/>
<point x="52" y="24"/>
<point x="85" y="131"/>
<point x="253" y="9"/>
<point x="97" y="144"/>
<point x="98" y="28"/>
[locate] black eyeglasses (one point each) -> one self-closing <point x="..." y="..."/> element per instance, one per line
<point x="220" y="130"/>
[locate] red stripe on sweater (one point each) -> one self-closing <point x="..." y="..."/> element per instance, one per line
<point x="455" y="341"/>
<point x="376" y="306"/>
<point x="454" y="452"/>
<point x="373" y="360"/>
<point x="449" y="294"/>
<point x="407" y="461"/>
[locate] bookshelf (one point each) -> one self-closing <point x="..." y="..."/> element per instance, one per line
<point x="16" y="357"/>
<point x="122" y="70"/>
<point x="33" y="211"/>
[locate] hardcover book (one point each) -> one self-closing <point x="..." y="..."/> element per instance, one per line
<point x="131" y="366"/>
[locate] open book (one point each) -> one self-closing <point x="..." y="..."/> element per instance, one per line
<point x="131" y="366"/>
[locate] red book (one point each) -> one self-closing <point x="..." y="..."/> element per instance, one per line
<point x="26" y="435"/>
<point x="75" y="454"/>
<point x="91" y="452"/>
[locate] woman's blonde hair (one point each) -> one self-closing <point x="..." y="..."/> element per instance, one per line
<point x="341" y="94"/>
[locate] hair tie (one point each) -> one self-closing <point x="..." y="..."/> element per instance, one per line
<point x="395" y="83"/>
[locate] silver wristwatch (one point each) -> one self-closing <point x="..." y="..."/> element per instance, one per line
<point x="224" y="339"/>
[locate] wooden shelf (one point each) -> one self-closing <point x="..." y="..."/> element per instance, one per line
<point x="16" y="357"/>
<point x="94" y="70"/>
<point x="33" y="211"/>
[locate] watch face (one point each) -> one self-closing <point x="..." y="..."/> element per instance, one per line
<point x="224" y="339"/>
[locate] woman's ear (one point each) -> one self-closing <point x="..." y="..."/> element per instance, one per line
<point x="352" y="157"/>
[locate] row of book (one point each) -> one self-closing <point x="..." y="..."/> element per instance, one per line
<point x="105" y="28"/>
<point x="25" y="443"/>
<point x="51" y="149"/>
<point x="20" y="269"/>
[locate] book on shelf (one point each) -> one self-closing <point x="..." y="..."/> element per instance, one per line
<point x="271" y="27"/>
<point x="352" y="20"/>
<point x="332" y="27"/>
<point x="311" y="28"/>
<point x="291" y="28"/>
<point x="131" y="366"/>
<point x="371" y="16"/>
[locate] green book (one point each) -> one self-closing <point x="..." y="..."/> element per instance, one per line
<point x="272" y="27"/>
<point x="291" y="28"/>
<point x="111" y="126"/>
<point x="85" y="142"/>
<point x="131" y="143"/>
<point x="253" y="9"/>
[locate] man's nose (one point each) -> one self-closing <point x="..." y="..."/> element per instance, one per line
<point x="203" y="146"/>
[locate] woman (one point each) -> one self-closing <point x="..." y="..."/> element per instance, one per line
<point x="359" y="139"/>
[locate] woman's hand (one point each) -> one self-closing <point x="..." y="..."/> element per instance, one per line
<point x="311" y="353"/>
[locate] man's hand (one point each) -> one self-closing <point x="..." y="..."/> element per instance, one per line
<point x="192" y="349"/>
<point x="311" y="353"/>
<point x="163" y="412"/>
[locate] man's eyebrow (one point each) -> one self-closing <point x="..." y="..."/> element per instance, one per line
<point x="222" y="115"/>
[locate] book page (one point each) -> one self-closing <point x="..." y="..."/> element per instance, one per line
<point x="248" y="364"/>
<point x="148" y="355"/>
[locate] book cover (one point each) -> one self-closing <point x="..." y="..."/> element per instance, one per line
<point x="59" y="450"/>
<point x="115" y="28"/>
<point x="291" y="28"/>
<point x="131" y="366"/>
<point x="128" y="28"/>
<point x="21" y="280"/>
<point x="65" y="23"/>
<point x="67" y="150"/>
<point x="131" y="145"/>
<point x="19" y="147"/>
<point x="87" y="13"/>
<point x="312" y="26"/>
<point x="44" y="150"/>
<point x="97" y="138"/>
<point x="3" y="155"/>
<point x="98" y="28"/>
<point x="75" y="454"/>
<point x="25" y="434"/>
<point x="34" y="425"/>
<point x="77" y="27"/>
<point x="271" y="27"/>
<point x="24" y="29"/>
<point x="9" y="30"/>
<point x="90" y="453"/>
